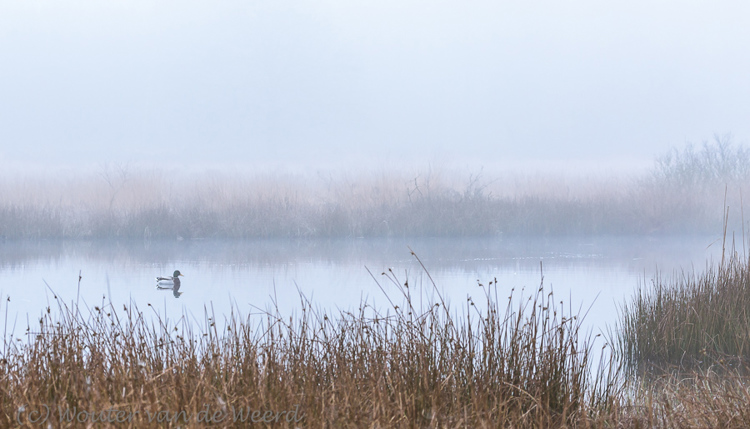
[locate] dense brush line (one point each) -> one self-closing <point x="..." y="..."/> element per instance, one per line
<point x="679" y="195"/>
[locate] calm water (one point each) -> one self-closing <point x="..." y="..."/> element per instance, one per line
<point x="595" y="272"/>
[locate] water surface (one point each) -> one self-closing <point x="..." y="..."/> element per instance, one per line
<point x="594" y="274"/>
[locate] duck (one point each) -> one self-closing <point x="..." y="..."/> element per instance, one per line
<point x="173" y="282"/>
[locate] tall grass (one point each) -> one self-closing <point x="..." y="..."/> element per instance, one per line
<point x="519" y="365"/>
<point x="691" y="320"/>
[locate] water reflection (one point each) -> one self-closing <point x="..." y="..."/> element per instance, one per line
<point x="242" y="276"/>
<point x="175" y="289"/>
<point x="448" y="252"/>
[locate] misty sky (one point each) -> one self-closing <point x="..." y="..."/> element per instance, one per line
<point x="367" y="83"/>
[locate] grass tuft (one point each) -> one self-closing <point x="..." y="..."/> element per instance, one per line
<point x="692" y="320"/>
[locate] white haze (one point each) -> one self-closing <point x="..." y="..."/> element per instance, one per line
<point x="285" y="85"/>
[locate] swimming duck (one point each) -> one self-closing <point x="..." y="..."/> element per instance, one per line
<point x="170" y="281"/>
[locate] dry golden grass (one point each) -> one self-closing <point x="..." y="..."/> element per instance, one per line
<point x="697" y="399"/>
<point x="520" y="366"/>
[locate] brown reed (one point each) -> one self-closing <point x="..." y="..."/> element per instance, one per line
<point x="524" y="365"/>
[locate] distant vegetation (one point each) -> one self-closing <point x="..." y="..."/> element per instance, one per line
<point x="683" y="193"/>
<point x="685" y="188"/>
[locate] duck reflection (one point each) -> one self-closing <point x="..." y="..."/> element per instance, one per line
<point x="170" y="283"/>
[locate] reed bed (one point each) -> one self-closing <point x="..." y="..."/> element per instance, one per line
<point x="691" y="320"/>
<point x="678" y="195"/>
<point x="143" y="204"/>
<point x="521" y="364"/>
<point x="149" y="206"/>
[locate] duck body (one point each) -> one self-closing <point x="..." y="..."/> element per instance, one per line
<point x="173" y="281"/>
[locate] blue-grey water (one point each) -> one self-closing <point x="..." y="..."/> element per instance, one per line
<point x="596" y="273"/>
